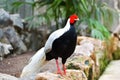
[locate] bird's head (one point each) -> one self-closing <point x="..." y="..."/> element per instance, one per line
<point x="73" y="18"/>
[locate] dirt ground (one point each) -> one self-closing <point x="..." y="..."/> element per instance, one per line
<point x="13" y="65"/>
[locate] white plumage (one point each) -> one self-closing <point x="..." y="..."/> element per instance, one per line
<point x="39" y="59"/>
<point x="56" y="34"/>
<point x="35" y="63"/>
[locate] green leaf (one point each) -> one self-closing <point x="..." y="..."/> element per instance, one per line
<point x="92" y="12"/>
<point x="17" y="4"/>
<point x="84" y="4"/>
<point x="98" y="30"/>
<point x="97" y="34"/>
<point x="55" y="4"/>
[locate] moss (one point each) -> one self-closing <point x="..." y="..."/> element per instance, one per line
<point x="108" y="55"/>
<point x="103" y="65"/>
<point x="73" y="77"/>
<point x="90" y="76"/>
<point x="104" y="61"/>
<point x="116" y="54"/>
<point x="71" y="66"/>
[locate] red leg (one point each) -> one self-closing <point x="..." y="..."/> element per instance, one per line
<point x="64" y="69"/>
<point x="58" y="68"/>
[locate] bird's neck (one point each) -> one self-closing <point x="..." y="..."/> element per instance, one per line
<point x="67" y="26"/>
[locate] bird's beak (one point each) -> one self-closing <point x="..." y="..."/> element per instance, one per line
<point x="77" y="19"/>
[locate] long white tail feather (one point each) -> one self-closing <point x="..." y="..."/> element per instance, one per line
<point x="35" y="63"/>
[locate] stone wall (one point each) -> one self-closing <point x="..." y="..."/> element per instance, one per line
<point x="9" y="35"/>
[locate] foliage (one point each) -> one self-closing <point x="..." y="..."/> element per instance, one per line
<point x="92" y="12"/>
<point x="7" y="5"/>
<point x="98" y="30"/>
<point x="104" y="61"/>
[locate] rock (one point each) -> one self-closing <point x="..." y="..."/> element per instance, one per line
<point x="26" y="39"/>
<point x="83" y="63"/>
<point x="71" y="75"/>
<point x="17" y="21"/>
<point x="15" y="40"/>
<point x="98" y="44"/>
<point x="75" y="75"/>
<point x="46" y="76"/>
<point x="4" y="50"/>
<point x="84" y="49"/>
<point x="87" y="56"/>
<point x="4" y="18"/>
<point x="83" y="28"/>
<point x="79" y="62"/>
<point x="90" y="47"/>
<point x="7" y="77"/>
<point x="117" y="30"/>
<point x="30" y="77"/>
<point x="1" y="33"/>
<point x="3" y="39"/>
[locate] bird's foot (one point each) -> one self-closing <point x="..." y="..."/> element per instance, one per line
<point x="62" y="73"/>
<point x="59" y="72"/>
<point x="64" y="69"/>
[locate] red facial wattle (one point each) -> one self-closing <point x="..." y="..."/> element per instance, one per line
<point x="73" y="18"/>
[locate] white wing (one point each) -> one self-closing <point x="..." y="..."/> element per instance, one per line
<point x="56" y="34"/>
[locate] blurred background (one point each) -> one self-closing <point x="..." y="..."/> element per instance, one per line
<point x="97" y="18"/>
<point x="26" y="24"/>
